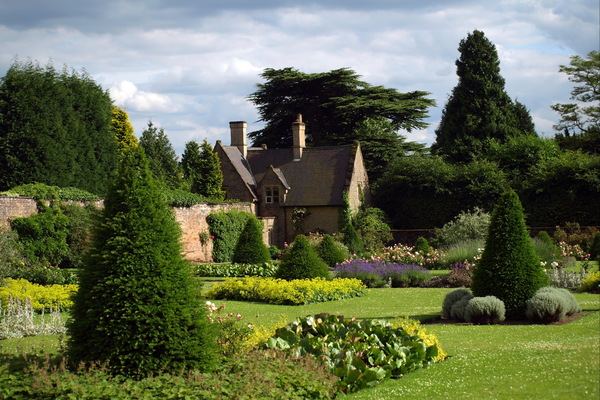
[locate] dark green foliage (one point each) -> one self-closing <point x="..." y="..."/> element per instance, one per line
<point x="361" y="353"/>
<point x="250" y="248"/>
<point x="137" y="306"/>
<point x="55" y="128"/>
<point x="329" y="252"/>
<point x="41" y="191"/>
<point x="332" y="104"/>
<point x="181" y="197"/>
<point x="43" y="236"/>
<point x="587" y="142"/>
<point x="595" y="248"/>
<point x="550" y="304"/>
<point x="190" y="164"/>
<point x="563" y="188"/>
<point x="420" y="192"/>
<point x="202" y="170"/>
<point x="479" y="108"/>
<point x="458" y="310"/>
<point x="584" y="115"/>
<point x="11" y="256"/>
<point x="545" y="237"/>
<point x="422" y="246"/>
<point x="509" y="268"/>
<point x="350" y="237"/>
<point x="453" y="297"/>
<point x="485" y="310"/>
<point x="226" y="228"/>
<point x="372" y="224"/>
<point x="469" y="225"/>
<point x="161" y="157"/>
<point x="302" y="262"/>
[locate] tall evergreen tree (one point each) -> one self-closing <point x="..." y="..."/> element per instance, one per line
<point x="250" y="248"/>
<point x="509" y="267"/>
<point x="122" y="128"/>
<point x="210" y="176"/>
<point x="478" y="108"/>
<point x="161" y="156"/>
<point x="137" y="307"/>
<point x="54" y="129"/>
<point x="191" y="161"/>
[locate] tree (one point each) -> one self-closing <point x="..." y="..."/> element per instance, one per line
<point x="302" y="262"/>
<point x="509" y="268"/>
<point x="122" y="128"/>
<point x="54" y="129"/>
<point x="210" y="177"/>
<point x="191" y="161"/>
<point x="478" y="108"/>
<point x="583" y="116"/>
<point x="137" y="306"/>
<point x="332" y="104"/>
<point x="161" y="156"/>
<point x="250" y="248"/>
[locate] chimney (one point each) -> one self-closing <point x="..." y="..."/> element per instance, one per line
<point x="238" y="136"/>
<point x="298" y="129"/>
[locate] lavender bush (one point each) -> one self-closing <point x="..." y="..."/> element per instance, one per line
<point x="379" y="273"/>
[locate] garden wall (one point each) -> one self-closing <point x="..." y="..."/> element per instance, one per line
<point x="194" y="228"/>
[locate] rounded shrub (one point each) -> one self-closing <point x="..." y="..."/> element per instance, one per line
<point x="591" y="283"/>
<point x="465" y="226"/>
<point x="550" y="304"/>
<point x="302" y="262"/>
<point x="330" y="252"/>
<point x="422" y="246"/>
<point x="458" y="310"/>
<point x="250" y="248"/>
<point x="509" y="268"/>
<point x="451" y="298"/>
<point x="485" y="310"/>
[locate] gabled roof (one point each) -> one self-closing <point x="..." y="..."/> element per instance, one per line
<point x="319" y="178"/>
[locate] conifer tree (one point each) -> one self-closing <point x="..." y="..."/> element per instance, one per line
<point x="479" y="107"/>
<point x="302" y="262"/>
<point x="250" y="248"/>
<point x="161" y="156"/>
<point x="191" y="160"/>
<point x="210" y="177"/>
<point x="509" y="267"/>
<point x="136" y="307"/>
<point x="122" y="128"/>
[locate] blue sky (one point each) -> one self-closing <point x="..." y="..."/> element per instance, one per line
<point x="189" y="65"/>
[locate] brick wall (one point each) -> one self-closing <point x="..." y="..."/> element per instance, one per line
<point x="191" y="219"/>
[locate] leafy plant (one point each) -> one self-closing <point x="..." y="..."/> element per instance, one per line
<point x="468" y="225"/>
<point x="360" y="353"/>
<point x="40" y="297"/>
<point x="226" y="228"/>
<point x="551" y="304"/>
<point x="453" y="297"/>
<point x="485" y="310"/>
<point x="266" y="269"/>
<point x="591" y="283"/>
<point x="279" y="291"/>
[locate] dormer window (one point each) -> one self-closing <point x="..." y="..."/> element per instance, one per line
<point x="272" y="194"/>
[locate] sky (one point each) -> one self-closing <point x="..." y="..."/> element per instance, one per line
<point x="189" y="65"/>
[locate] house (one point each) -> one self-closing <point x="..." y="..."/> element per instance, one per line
<point x="296" y="190"/>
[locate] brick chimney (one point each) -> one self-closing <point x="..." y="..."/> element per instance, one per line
<point x="238" y="136"/>
<point x="298" y="129"/>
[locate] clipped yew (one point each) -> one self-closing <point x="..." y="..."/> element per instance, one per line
<point x="509" y="268"/>
<point x="137" y="308"/>
<point x="302" y="262"/>
<point x="330" y="252"/>
<point x="250" y="248"/>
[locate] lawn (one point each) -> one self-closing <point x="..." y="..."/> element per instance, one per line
<point x="491" y="362"/>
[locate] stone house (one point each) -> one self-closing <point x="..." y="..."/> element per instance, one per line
<point x="294" y="190"/>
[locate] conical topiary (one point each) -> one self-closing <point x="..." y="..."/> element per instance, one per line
<point x="330" y="252"/>
<point x="302" y="262"/>
<point x="250" y="248"/>
<point x="137" y="307"/>
<point x="509" y="268"/>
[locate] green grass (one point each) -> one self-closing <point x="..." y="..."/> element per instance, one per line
<point x="491" y="362"/>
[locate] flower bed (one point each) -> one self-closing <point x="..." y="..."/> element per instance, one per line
<point x="380" y="273"/>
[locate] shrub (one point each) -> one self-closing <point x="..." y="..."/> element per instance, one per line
<point x="41" y="191"/>
<point x="485" y="310"/>
<point x="226" y="227"/>
<point x="573" y="236"/>
<point x="302" y="262"/>
<point x="265" y="269"/>
<point x="360" y="353"/>
<point x="250" y="248"/>
<point x="181" y="197"/>
<point x="378" y="273"/>
<point x="460" y="276"/>
<point x="459" y="309"/>
<point x="373" y="228"/>
<point x="137" y="308"/>
<point x="11" y="257"/>
<point x="53" y="296"/>
<point x="509" y="269"/>
<point x="468" y="225"/>
<point x="294" y="292"/>
<point x="591" y="283"/>
<point x="468" y="250"/>
<point x="595" y="248"/>
<point x="547" y="253"/>
<point x="422" y="246"/>
<point x="451" y="298"/>
<point x="329" y="252"/>
<point x="406" y="255"/>
<point x="551" y="304"/>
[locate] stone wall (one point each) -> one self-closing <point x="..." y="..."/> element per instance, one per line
<point x="195" y="236"/>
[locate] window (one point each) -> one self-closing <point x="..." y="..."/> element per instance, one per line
<point x="272" y="194"/>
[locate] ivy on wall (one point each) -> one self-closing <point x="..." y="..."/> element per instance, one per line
<point x="226" y="227"/>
